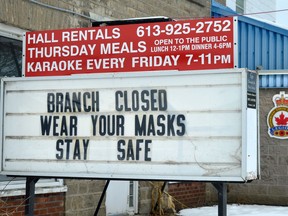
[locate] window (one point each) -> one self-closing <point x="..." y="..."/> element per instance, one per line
<point x="131" y="194"/>
<point x="240" y="6"/>
<point x="133" y="197"/>
<point x="10" y="66"/>
<point x="10" y="57"/>
<point x="15" y="186"/>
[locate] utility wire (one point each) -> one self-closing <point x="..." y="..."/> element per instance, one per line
<point x="87" y="17"/>
<point x="234" y="14"/>
<point x="61" y="9"/>
<point x="265" y="12"/>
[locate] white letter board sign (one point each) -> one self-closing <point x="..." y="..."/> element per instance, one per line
<point x="199" y="125"/>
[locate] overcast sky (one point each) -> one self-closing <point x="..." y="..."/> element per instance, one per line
<point x="282" y="17"/>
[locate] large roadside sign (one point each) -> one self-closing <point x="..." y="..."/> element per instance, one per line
<point x="176" y="45"/>
<point x="162" y="125"/>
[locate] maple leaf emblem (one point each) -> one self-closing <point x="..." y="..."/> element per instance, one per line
<point x="281" y="120"/>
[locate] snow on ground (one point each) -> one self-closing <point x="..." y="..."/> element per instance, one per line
<point x="238" y="210"/>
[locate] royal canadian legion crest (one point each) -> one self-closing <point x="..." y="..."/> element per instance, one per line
<point x="277" y="119"/>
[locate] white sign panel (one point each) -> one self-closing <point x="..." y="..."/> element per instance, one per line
<point x="160" y="125"/>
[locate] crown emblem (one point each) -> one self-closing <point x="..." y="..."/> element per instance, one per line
<point x="281" y="100"/>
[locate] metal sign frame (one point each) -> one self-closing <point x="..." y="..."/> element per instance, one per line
<point x="170" y="159"/>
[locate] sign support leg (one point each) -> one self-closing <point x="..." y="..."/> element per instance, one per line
<point x="102" y="197"/>
<point x="30" y="195"/>
<point x="222" y="198"/>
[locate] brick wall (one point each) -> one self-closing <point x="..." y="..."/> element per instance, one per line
<point x="272" y="188"/>
<point x="45" y="204"/>
<point x="31" y="16"/>
<point x="223" y="2"/>
<point x="82" y="197"/>
<point x="189" y="194"/>
<point x="145" y="194"/>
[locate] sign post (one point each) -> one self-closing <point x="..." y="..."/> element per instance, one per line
<point x="222" y="197"/>
<point x="30" y="195"/>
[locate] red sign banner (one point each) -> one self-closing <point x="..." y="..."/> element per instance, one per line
<point x="177" y="45"/>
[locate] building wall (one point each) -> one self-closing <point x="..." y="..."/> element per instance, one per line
<point x="66" y="14"/>
<point x="272" y="188"/>
<point x="223" y="2"/>
<point x="45" y="204"/>
<point x="187" y="194"/>
<point x="263" y="45"/>
<point x="82" y="195"/>
<point x="145" y="194"/>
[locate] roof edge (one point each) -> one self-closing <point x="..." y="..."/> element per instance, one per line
<point x="226" y="11"/>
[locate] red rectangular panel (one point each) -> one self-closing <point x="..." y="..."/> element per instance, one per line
<point x="178" y="45"/>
